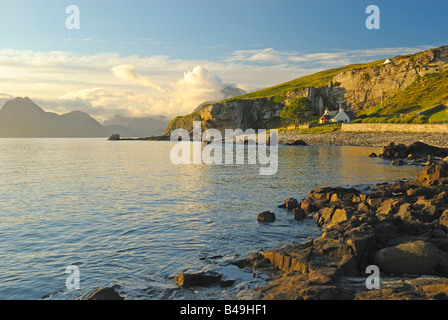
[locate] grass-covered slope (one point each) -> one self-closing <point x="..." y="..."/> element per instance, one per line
<point x="316" y="80"/>
<point x="424" y="93"/>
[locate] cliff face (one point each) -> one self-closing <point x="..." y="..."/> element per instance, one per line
<point x="355" y="88"/>
<point x="367" y="87"/>
<point x="243" y="114"/>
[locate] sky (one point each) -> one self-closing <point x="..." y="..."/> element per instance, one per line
<point x="165" y="57"/>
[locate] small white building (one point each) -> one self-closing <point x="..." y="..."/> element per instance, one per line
<point x="386" y="61"/>
<point x="338" y="116"/>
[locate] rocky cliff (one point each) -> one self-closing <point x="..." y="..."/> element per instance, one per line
<point x="354" y="87"/>
<point x="368" y="86"/>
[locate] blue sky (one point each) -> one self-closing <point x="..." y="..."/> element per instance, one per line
<point x="192" y="47"/>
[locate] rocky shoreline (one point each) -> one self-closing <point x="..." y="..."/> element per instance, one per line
<point x="399" y="228"/>
<point x="368" y="139"/>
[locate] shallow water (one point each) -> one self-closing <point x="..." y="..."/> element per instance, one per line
<point x="126" y="216"/>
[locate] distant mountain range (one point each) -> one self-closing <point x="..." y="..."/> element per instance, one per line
<point x="22" y="118"/>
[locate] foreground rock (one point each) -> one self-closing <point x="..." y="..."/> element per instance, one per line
<point x="416" y="257"/>
<point x="201" y="279"/>
<point x="105" y="294"/>
<point x="399" y="227"/>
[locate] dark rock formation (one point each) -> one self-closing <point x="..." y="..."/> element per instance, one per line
<point x="266" y="216"/>
<point x="105" y="294"/>
<point x="200" y="279"/>
<point x="417" y="153"/>
<point x="114" y="137"/>
<point x="289" y="204"/>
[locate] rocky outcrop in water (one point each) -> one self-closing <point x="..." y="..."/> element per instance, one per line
<point x="107" y="293"/>
<point x="417" y="153"/>
<point x="201" y="279"/>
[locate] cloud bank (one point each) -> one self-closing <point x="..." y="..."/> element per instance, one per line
<point x="107" y="84"/>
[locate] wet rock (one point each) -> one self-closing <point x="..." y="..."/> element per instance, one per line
<point x="298" y="213"/>
<point x="308" y="207"/>
<point x="398" y="162"/>
<point x="408" y="258"/>
<point x="105" y="294"/>
<point x="266" y="216"/>
<point x="289" y="204"/>
<point x="201" y="279"/>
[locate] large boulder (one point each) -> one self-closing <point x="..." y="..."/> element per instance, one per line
<point x="393" y="151"/>
<point x="416" y="257"/>
<point x="423" y="149"/>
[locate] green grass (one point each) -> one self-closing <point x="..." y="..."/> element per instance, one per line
<point x="317" y="80"/>
<point x="439" y="117"/>
<point x="422" y="94"/>
<point x="393" y="119"/>
<point x="322" y="129"/>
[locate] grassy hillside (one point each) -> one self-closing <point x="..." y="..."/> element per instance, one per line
<point x="426" y="92"/>
<point x="316" y="80"/>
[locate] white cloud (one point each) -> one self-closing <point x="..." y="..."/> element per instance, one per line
<point x="128" y="72"/>
<point x="196" y="87"/>
<point x="335" y="57"/>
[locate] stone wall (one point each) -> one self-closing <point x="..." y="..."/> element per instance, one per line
<point x="392" y="127"/>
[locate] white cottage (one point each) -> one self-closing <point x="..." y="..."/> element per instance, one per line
<point x="339" y="116"/>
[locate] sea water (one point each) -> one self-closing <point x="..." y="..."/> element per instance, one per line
<point x="127" y="217"/>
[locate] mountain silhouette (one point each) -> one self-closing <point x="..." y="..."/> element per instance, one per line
<point x="22" y="118"/>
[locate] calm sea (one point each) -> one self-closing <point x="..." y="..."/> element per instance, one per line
<point x="129" y="218"/>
